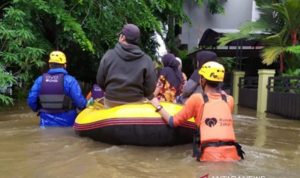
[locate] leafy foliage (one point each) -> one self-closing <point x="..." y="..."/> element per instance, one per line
<point x="293" y="49"/>
<point x="20" y="50"/>
<point x="292" y="73"/>
<point x="280" y="26"/>
<point x="270" y="54"/>
<point x="6" y="80"/>
<point x="229" y="63"/>
<point x="84" y="30"/>
<point x="214" y="6"/>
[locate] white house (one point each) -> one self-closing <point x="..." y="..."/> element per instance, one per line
<point x="236" y="13"/>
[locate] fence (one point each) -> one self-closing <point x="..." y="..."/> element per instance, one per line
<point x="284" y="96"/>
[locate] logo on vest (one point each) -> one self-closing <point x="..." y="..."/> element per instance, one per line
<point x="52" y="79"/>
<point x="97" y="89"/>
<point x="211" y="122"/>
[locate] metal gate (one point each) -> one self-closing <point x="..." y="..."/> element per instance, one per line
<point x="284" y="96"/>
<point x="248" y="91"/>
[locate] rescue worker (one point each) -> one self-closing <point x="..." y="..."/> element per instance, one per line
<point x="55" y="95"/>
<point x="212" y="113"/>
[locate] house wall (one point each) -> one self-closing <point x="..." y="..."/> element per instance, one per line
<point x="236" y="13"/>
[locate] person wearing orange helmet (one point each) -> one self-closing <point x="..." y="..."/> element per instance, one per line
<point x="55" y="95"/>
<point x="215" y="139"/>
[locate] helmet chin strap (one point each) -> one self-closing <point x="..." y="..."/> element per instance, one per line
<point x="202" y="83"/>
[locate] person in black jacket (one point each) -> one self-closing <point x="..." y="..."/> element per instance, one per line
<point x="126" y="73"/>
<point x="192" y="85"/>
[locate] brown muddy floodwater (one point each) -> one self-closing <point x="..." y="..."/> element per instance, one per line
<point x="272" y="149"/>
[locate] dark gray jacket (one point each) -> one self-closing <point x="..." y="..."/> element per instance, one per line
<point x="126" y="74"/>
<point x="192" y="86"/>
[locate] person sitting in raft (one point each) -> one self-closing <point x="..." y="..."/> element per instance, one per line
<point x="96" y="93"/>
<point x="212" y="113"/>
<point x="170" y="81"/>
<point x="192" y="84"/>
<point x="56" y="94"/>
<point x="126" y="73"/>
<point x="180" y="69"/>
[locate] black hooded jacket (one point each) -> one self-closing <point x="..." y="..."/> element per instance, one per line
<point x="126" y="74"/>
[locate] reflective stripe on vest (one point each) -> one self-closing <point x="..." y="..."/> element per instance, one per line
<point x="52" y="97"/>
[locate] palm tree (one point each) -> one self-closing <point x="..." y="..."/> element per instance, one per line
<point x="280" y="23"/>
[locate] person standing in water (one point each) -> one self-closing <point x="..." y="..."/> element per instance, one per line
<point x="212" y="111"/>
<point x="56" y="94"/>
<point x="126" y="73"/>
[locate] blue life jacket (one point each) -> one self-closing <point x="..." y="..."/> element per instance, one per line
<point x="56" y="95"/>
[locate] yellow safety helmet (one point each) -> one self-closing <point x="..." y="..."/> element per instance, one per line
<point x="57" y="57"/>
<point x="212" y="71"/>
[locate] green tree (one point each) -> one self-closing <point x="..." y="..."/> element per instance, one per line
<point x="23" y="39"/>
<point x="280" y="24"/>
<point x="84" y="30"/>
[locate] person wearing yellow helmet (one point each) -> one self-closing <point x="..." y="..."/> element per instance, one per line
<point x="55" y="95"/>
<point x="215" y="139"/>
<point x="57" y="57"/>
<point x="213" y="73"/>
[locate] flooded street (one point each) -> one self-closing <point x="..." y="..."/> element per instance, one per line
<point x="272" y="149"/>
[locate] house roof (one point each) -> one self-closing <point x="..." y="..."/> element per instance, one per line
<point x="211" y="36"/>
<point x="236" y="48"/>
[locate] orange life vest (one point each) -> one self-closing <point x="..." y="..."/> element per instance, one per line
<point x="216" y="123"/>
<point x="216" y="140"/>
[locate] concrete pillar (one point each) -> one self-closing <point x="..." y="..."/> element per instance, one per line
<point x="262" y="95"/>
<point x="261" y="130"/>
<point x="236" y="77"/>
